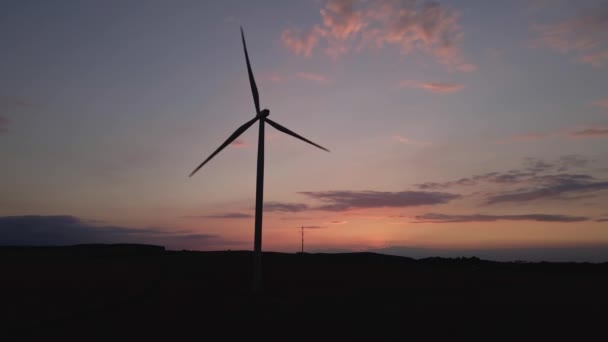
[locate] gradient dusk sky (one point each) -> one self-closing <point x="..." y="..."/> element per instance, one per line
<point x="455" y="127"/>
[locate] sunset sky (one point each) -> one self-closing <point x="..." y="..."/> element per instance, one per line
<point x="455" y="127"/>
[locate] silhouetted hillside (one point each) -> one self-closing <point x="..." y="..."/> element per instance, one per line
<point x="100" y="292"/>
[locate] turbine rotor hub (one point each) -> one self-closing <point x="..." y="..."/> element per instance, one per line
<point x="264" y="113"/>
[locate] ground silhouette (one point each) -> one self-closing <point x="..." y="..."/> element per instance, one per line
<point x="101" y="292"/>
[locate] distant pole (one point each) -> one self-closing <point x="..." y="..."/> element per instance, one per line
<point x="259" y="207"/>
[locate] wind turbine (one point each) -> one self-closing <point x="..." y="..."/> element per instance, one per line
<point x="262" y="117"/>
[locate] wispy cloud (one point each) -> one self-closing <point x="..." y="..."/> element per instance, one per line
<point x="583" y="34"/>
<point x="300" y="42"/>
<point x="298" y="218"/>
<point x="585" y="132"/>
<point x="338" y="222"/>
<point x="347" y="25"/>
<point x="442" y="87"/>
<point x="312" y="77"/>
<point x="531" y="172"/>
<point x="70" y="230"/>
<point x="555" y="188"/>
<point x="345" y="200"/>
<point x="536" y="165"/>
<point x="445" y="185"/>
<point x="435" y="87"/>
<point x="448" y="218"/>
<point x="571" y="161"/>
<point x="593" y="132"/>
<point x="285" y="207"/>
<point x="536" y="180"/>
<point x="408" y="141"/>
<point x="222" y="216"/>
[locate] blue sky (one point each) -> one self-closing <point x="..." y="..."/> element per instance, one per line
<point x="105" y="107"/>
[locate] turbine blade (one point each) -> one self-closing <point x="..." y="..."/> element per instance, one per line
<point x="295" y="135"/>
<point x="230" y="139"/>
<point x="254" y="88"/>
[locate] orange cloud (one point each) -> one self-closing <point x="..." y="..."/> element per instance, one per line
<point x="435" y="87"/>
<point x="584" y="34"/>
<point x="348" y="24"/>
<point x="338" y="222"/>
<point x="312" y="77"/>
<point x="442" y="87"/>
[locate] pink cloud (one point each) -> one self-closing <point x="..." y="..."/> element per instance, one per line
<point x="341" y="20"/>
<point x="442" y="87"/>
<point x="584" y="35"/>
<point x="408" y="141"/>
<point x="312" y="77"/>
<point x="435" y="87"/>
<point x="354" y="25"/>
<point x="300" y="43"/>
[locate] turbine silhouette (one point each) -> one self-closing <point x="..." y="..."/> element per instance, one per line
<point x="262" y="117"/>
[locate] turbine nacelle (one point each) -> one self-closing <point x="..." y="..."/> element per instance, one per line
<point x="263" y="114"/>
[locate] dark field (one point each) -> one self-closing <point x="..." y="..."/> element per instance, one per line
<point x="146" y="293"/>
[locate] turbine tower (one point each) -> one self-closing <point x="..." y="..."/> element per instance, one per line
<point x="262" y="117"/>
